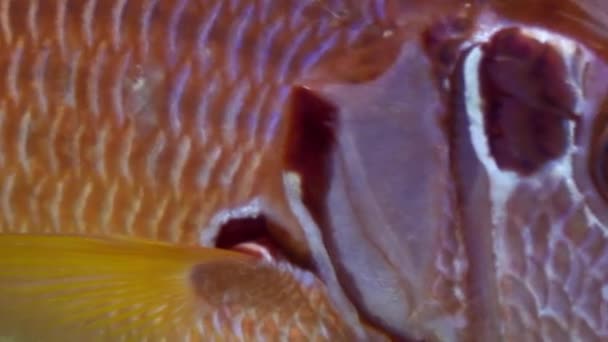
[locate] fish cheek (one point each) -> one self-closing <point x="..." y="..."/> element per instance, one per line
<point x="527" y="103"/>
<point x="386" y="200"/>
<point x="264" y="298"/>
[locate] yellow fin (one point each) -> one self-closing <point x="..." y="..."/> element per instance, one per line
<point x="65" y="288"/>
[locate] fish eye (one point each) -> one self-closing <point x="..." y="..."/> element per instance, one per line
<point x="527" y="102"/>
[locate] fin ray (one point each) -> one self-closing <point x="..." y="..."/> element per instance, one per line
<point x="98" y="289"/>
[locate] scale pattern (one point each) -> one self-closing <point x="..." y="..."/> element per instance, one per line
<point x="145" y="117"/>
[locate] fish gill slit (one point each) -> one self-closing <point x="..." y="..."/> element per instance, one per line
<point x="236" y="42"/>
<point x="173" y="28"/>
<point x="5" y="19"/>
<point x="153" y="156"/>
<point x="8" y="186"/>
<point x="32" y="20"/>
<point x="53" y="131"/>
<point x="117" y="17"/>
<point x="144" y="26"/>
<point x="107" y="207"/>
<point x="175" y="97"/>
<point x="12" y="75"/>
<point x="117" y="87"/>
<point x="80" y="206"/>
<point x="88" y="15"/>
<point x="22" y="141"/>
<point x="40" y="66"/>
<point x="60" y="24"/>
<point x="179" y="164"/>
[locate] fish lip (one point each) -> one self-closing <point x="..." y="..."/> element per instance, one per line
<point x="249" y="232"/>
<point x="236" y="235"/>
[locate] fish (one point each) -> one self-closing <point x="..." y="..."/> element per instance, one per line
<point x="139" y="137"/>
<point x="303" y="169"/>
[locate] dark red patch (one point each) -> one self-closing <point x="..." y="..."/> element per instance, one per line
<point x="527" y="102"/>
<point x="310" y="142"/>
<point x="255" y="236"/>
<point x="239" y="230"/>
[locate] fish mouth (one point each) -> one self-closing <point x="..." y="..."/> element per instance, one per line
<point x="253" y="235"/>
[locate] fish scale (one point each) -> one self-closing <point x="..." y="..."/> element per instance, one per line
<point x="109" y="120"/>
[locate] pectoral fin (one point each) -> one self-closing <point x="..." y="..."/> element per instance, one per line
<point x="83" y="289"/>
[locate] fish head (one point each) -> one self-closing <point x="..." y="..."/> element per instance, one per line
<point x="466" y="196"/>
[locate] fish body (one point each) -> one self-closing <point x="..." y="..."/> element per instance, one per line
<point x="148" y="118"/>
<point x="438" y="165"/>
<point x="155" y="121"/>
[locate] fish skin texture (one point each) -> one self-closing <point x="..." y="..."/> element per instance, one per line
<point x="160" y="119"/>
<point x="157" y="118"/>
<point x="147" y="118"/>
